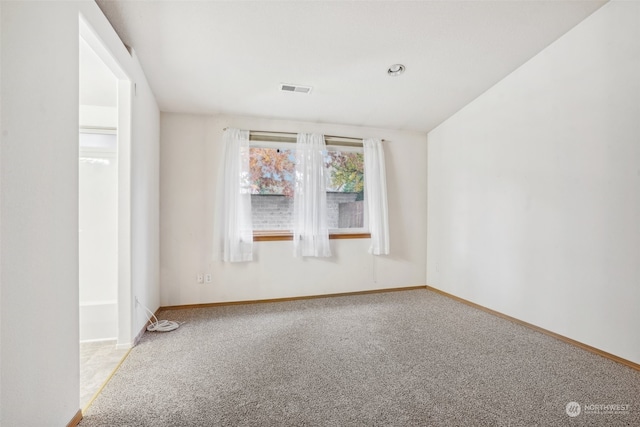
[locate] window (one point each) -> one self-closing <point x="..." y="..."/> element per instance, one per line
<point x="272" y="167"/>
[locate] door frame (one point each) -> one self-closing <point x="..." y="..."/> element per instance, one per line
<point x="125" y="299"/>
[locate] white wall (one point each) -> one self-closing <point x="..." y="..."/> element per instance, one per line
<point x="39" y="247"/>
<point x="98" y="116"/>
<point x="191" y="147"/>
<point x="39" y="205"/>
<point x="145" y="202"/>
<point x="534" y="189"/>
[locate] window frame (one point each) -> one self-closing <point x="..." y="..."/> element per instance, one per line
<point x="334" y="233"/>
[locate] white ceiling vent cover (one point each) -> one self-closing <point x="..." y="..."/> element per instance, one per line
<point x="286" y="87"/>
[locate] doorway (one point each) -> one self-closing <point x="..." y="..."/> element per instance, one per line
<point x="104" y="214"/>
<point x="98" y="259"/>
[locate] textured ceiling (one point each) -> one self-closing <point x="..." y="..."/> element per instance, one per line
<point x="213" y="57"/>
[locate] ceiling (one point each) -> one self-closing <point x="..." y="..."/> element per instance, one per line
<point x="229" y="57"/>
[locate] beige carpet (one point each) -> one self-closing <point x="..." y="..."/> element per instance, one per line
<point x="410" y="358"/>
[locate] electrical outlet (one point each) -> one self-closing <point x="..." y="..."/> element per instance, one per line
<point x="207" y="278"/>
<point x="200" y="278"/>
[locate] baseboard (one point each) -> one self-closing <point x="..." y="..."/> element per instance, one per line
<point x="567" y="340"/>
<point x="306" y="297"/>
<point x="76" y="419"/>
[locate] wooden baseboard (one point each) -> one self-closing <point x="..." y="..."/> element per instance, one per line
<point x="261" y="301"/>
<point x="583" y="346"/>
<point x="76" y="419"/>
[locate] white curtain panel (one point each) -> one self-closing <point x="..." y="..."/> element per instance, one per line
<point x="237" y="229"/>
<point x="310" y="230"/>
<point x="376" y="196"/>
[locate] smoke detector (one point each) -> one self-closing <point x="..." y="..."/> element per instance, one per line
<point x="286" y="87"/>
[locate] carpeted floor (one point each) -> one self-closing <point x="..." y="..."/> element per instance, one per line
<point x="410" y="358"/>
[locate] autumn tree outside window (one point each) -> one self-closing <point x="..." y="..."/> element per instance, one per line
<point x="272" y="167"/>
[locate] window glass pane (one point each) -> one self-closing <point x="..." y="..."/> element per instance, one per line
<point x="272" y="188"/>
<point x="345" y="191"/>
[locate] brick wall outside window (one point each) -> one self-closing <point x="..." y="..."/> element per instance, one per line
<point x="275" y="211"/>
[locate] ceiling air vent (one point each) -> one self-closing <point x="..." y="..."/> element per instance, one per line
<point x="285" y="87"/>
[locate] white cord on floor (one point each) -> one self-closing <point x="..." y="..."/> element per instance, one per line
<point x="159" y="325"/>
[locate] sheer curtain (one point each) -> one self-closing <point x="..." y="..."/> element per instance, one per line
<point x="310" y="230"/>
<point x="376" y="195"/>
<point x="237" y="229"/>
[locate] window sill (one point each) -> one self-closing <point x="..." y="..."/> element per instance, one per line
<point x="272" y="236"/>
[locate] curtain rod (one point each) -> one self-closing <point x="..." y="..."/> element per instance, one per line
<point x="291" y="137"/>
